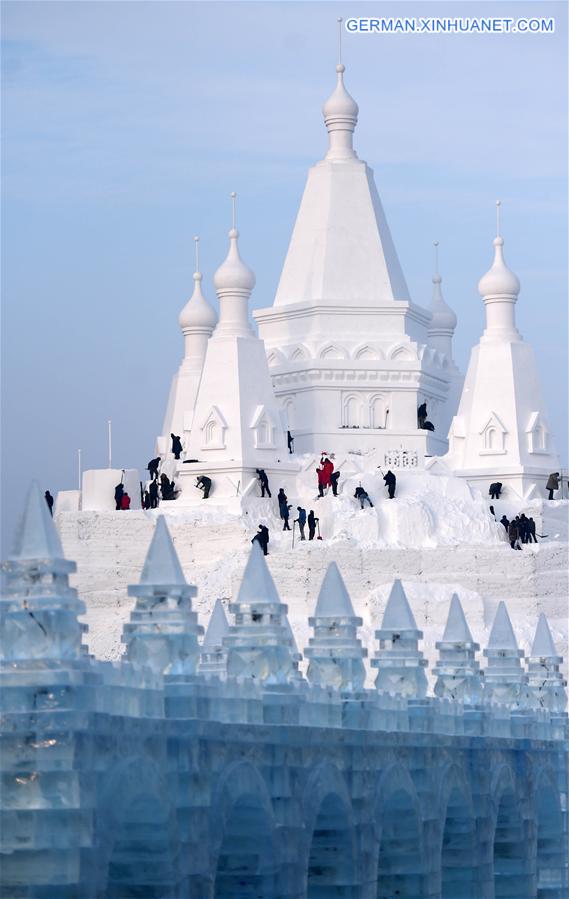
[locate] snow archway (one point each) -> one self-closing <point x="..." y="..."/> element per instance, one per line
<point x="511" y="876"/>
<point x="245" y="863"/>
<point x="400" y="866"/>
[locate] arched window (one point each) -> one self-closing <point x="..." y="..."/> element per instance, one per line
<point x="211" y="432"/>
<point x="491" y="438"/>
<point x="290" y="414"/>
<point x="352" y="412"/>
<point x="377" y="412"/>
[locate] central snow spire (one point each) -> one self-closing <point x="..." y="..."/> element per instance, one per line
<point x="499" y="288"/>
<point x="341" y="116"/>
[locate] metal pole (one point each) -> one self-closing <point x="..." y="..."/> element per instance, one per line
<point x="110" y="430"/>
<point x="79" y="469"/>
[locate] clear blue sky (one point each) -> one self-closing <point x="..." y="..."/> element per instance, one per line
<point x="126" y="126"/>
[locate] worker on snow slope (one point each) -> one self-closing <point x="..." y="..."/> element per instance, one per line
<point x="552" y="483"/>
<point x="362" y="495"/>
<point x="262" y="538"/>
<point x="301" y="520"/>
<point x="390" y="483"/>
<point x="264" y="481"/>
<point x="177" y="447"/>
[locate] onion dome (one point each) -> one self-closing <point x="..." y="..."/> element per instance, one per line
<point x="340" y="105"/>
<point x="233" y="274"/>
<point x="197" y="313"/>
<point x="442" y="316"/>
<point x="499" y="280"/>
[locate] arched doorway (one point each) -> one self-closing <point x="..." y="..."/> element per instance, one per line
<point x="331" y="871"/>
<point x="510" y="851"/>
<point x="246" y="863"/>
<point x="400" y="867"/>
<point x="458" y="861"/>
<point x="141" y="856"/>
<point x="551" y="870"/>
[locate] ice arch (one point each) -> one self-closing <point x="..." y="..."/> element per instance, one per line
<point x="242" y="826"/>
<point x="510" y="850"/>
<point x="458" y="860"/>
<point x="551" y="872"/>
<point x="330" y="869"/>
<point x="400" y="870"/>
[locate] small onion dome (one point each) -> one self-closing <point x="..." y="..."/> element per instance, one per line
<point x="233" y="274"/>
<point x="442" y="316"/>
<point x="499" y="280"/>
<point x="197" y="313"/>
<point x="340" y="105"/>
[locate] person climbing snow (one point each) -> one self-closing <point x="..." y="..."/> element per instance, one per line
<point x="552" y="483"/>
<point x="290" y="442"/>
<point x="204" y="483"/>
<point x="324" y="473"/>
<point x="363" y="496"/>
<point x="153" y="467"/>
<point x="505" y="522"/>
<point x="153" y="494"/>
<point x="301" y="520"/>
<point x="495" y="490"/>
<point x="262" y="538"/>
<point x="49" y="501"/>
<point x="390" y="483"/>
<point x="263" y="481"/>
<point x="312" y="522"/>
<point x="177" y="447"/>
<point x="421" y="414"/>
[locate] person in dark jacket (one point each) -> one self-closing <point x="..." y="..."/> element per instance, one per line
<point x="334" y="478"/>
<point x="301" y="520"/>
<point x="390" y="483"/>
<point x="523" y="526"/>
<point x="153" y="494"/>
<point x="119" y="491"/>
<point x="422" y="415"/>
<point x="505" y="522"/>
<point x="312" y="522"/>
<point x="177" y="447"/>
<point x="49" y="501"/>
<point x="290" y="442"/>
<point x="495" y="490"/>
<point x="262" y="538"/>
<point x="153" y="467"/>
<point x="362" y="495"/>
<point x="552" y="483"/>
<point x="204" y="483"/>
<point x="493" y="513"/>
<point x="125" y="502"/>
<point x="531" y="531"/>
<point x="264" y="481"/>
<point x="514" y="534"/>
<point x="146" y="502"/>
<point x="284" y="508"/>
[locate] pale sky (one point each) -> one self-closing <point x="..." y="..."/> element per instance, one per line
<point x="125" y="127"/>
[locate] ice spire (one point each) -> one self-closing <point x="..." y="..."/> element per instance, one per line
<point x="38" y="609"/>
<point x="259" y="644"/>
<point x="162" y="632"/>
<point x="233" y="282"/>
<point x="505" y="682"/>
<point x="458" y="672"/>
<point x="546" y="683"/>
<point x="335" y="653"/>
<point x="214" y="655"/>
<point x="499" y="288"/>
<point x="399" y="661"/>
<point x="340" y="114"/>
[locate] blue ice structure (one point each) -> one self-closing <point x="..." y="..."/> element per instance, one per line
<point x="216" y="770"/>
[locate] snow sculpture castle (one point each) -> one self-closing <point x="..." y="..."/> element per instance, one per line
<point x="344" y="358"/>
<point x="217" y="771"/>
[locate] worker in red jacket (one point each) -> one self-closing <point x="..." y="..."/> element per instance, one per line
<point x="125" y="501"/>
<point x="324" y="472"/>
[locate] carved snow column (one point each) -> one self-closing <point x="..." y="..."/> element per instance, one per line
<point x="259" y="644"/>
<point x="38" y="608"/>
<point x="458" y="673"/>
<point x="335" y="653"/>
<point x="399" y="662"/>
<point x="546" y="683"/>
<point x="213" y="659"/>
<point x="505" y="681"/>
<point x="162" y="632"/>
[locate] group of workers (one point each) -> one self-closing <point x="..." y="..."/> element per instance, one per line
<point x="519" y="530"/>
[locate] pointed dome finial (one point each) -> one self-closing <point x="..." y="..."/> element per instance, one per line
<point x="498" y="281"/>
<point x="233" y="274"/>
<point x="340" y="113"/>
<point x="197" y="313"/>
<point x="442" y="317"/>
